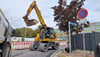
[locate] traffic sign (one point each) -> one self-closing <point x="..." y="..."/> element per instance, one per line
<point x="72" y="23"/>
<point x="82" y="14"/>
<point x="82" y="21"/>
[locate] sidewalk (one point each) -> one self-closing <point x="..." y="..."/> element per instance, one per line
<point x="75" y="54"/>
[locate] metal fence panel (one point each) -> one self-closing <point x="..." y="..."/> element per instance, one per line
<point x="77" y="40"/>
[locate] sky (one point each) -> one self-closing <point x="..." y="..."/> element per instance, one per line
<point x="14" y="10"/>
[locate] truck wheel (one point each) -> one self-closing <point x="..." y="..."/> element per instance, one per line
<point x="5" y="50"/>
<point x="67" y="49"/>
<point x="0" y="55"/>
<point x="10" y="52"/>
<point x="45" y="48"/>
<point x="32" y="47"/>
<point x="55" y="46"/>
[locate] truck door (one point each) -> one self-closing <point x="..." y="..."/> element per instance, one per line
<point x="2" y="29"/>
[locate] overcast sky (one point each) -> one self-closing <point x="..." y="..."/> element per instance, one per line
<point x="14" y="10"/>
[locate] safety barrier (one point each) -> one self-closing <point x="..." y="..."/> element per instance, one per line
<point x="24" y="45"/>
<point x="62" y="43"/>
<point x="20" y="45"/>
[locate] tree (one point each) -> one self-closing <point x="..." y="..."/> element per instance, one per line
<point x="21" y="32"/>
<point x="29" y="32"/>
<point x="36" y="31"/>
<point x="39" y="26"/>
<point x="17" y="33"/>
<point x="63" y="13"/>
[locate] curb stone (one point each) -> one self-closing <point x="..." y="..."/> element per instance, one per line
<point x="56" y="53"/>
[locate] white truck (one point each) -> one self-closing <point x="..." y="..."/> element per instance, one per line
<point x="5" y="36"/>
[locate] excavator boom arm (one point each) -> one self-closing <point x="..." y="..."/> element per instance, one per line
<point x="33" y="5"/>
<point x="39" y="16"/>
<point x="30" y="8"/>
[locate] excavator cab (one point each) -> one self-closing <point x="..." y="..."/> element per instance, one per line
<point x="47" y="33"/>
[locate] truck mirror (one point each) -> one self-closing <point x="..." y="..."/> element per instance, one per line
<point x="13" y="32"/>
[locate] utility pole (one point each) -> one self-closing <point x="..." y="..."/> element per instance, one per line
<point x="25" y="32"/>
<point x="84" y="41"/>
<point x="69" y="39"/>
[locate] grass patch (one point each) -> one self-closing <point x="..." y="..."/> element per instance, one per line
<point x="62" y="55"/>
<point x="86" y="56"/>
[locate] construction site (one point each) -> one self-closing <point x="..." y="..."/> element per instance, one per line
<point x="44" y="28"/>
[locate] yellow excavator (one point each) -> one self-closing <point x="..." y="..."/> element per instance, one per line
<point x="47" y="37"/>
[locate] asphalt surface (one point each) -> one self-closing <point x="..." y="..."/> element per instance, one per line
<point x="28" y="53"/>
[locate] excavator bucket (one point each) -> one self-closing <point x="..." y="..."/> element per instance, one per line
<point x="31" y="22"/>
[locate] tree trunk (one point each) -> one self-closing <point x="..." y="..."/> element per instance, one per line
<point x="67" y="40"/>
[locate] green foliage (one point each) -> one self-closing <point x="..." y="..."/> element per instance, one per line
<point x="29" y="32"/>
<point x="63" y="13"/>
<point x="17" y="32"/>
<point x="39" y="26"/>
<point x="36" y="31"/>
<point x="22" y="39"/>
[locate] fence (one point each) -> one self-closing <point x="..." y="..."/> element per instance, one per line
<point x="91" y="41"/>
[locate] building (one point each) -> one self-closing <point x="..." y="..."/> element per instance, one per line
<point x="16" y="38"/>
<point x="61" y="35"/>
<point x="28" y="39"/>
<point x="20" y="39"/>
<point x="95" y="26"/>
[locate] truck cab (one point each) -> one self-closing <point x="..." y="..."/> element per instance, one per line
<point x="5" y="36"/>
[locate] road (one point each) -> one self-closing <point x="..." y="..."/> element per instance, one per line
<point x="28" y="53"/>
